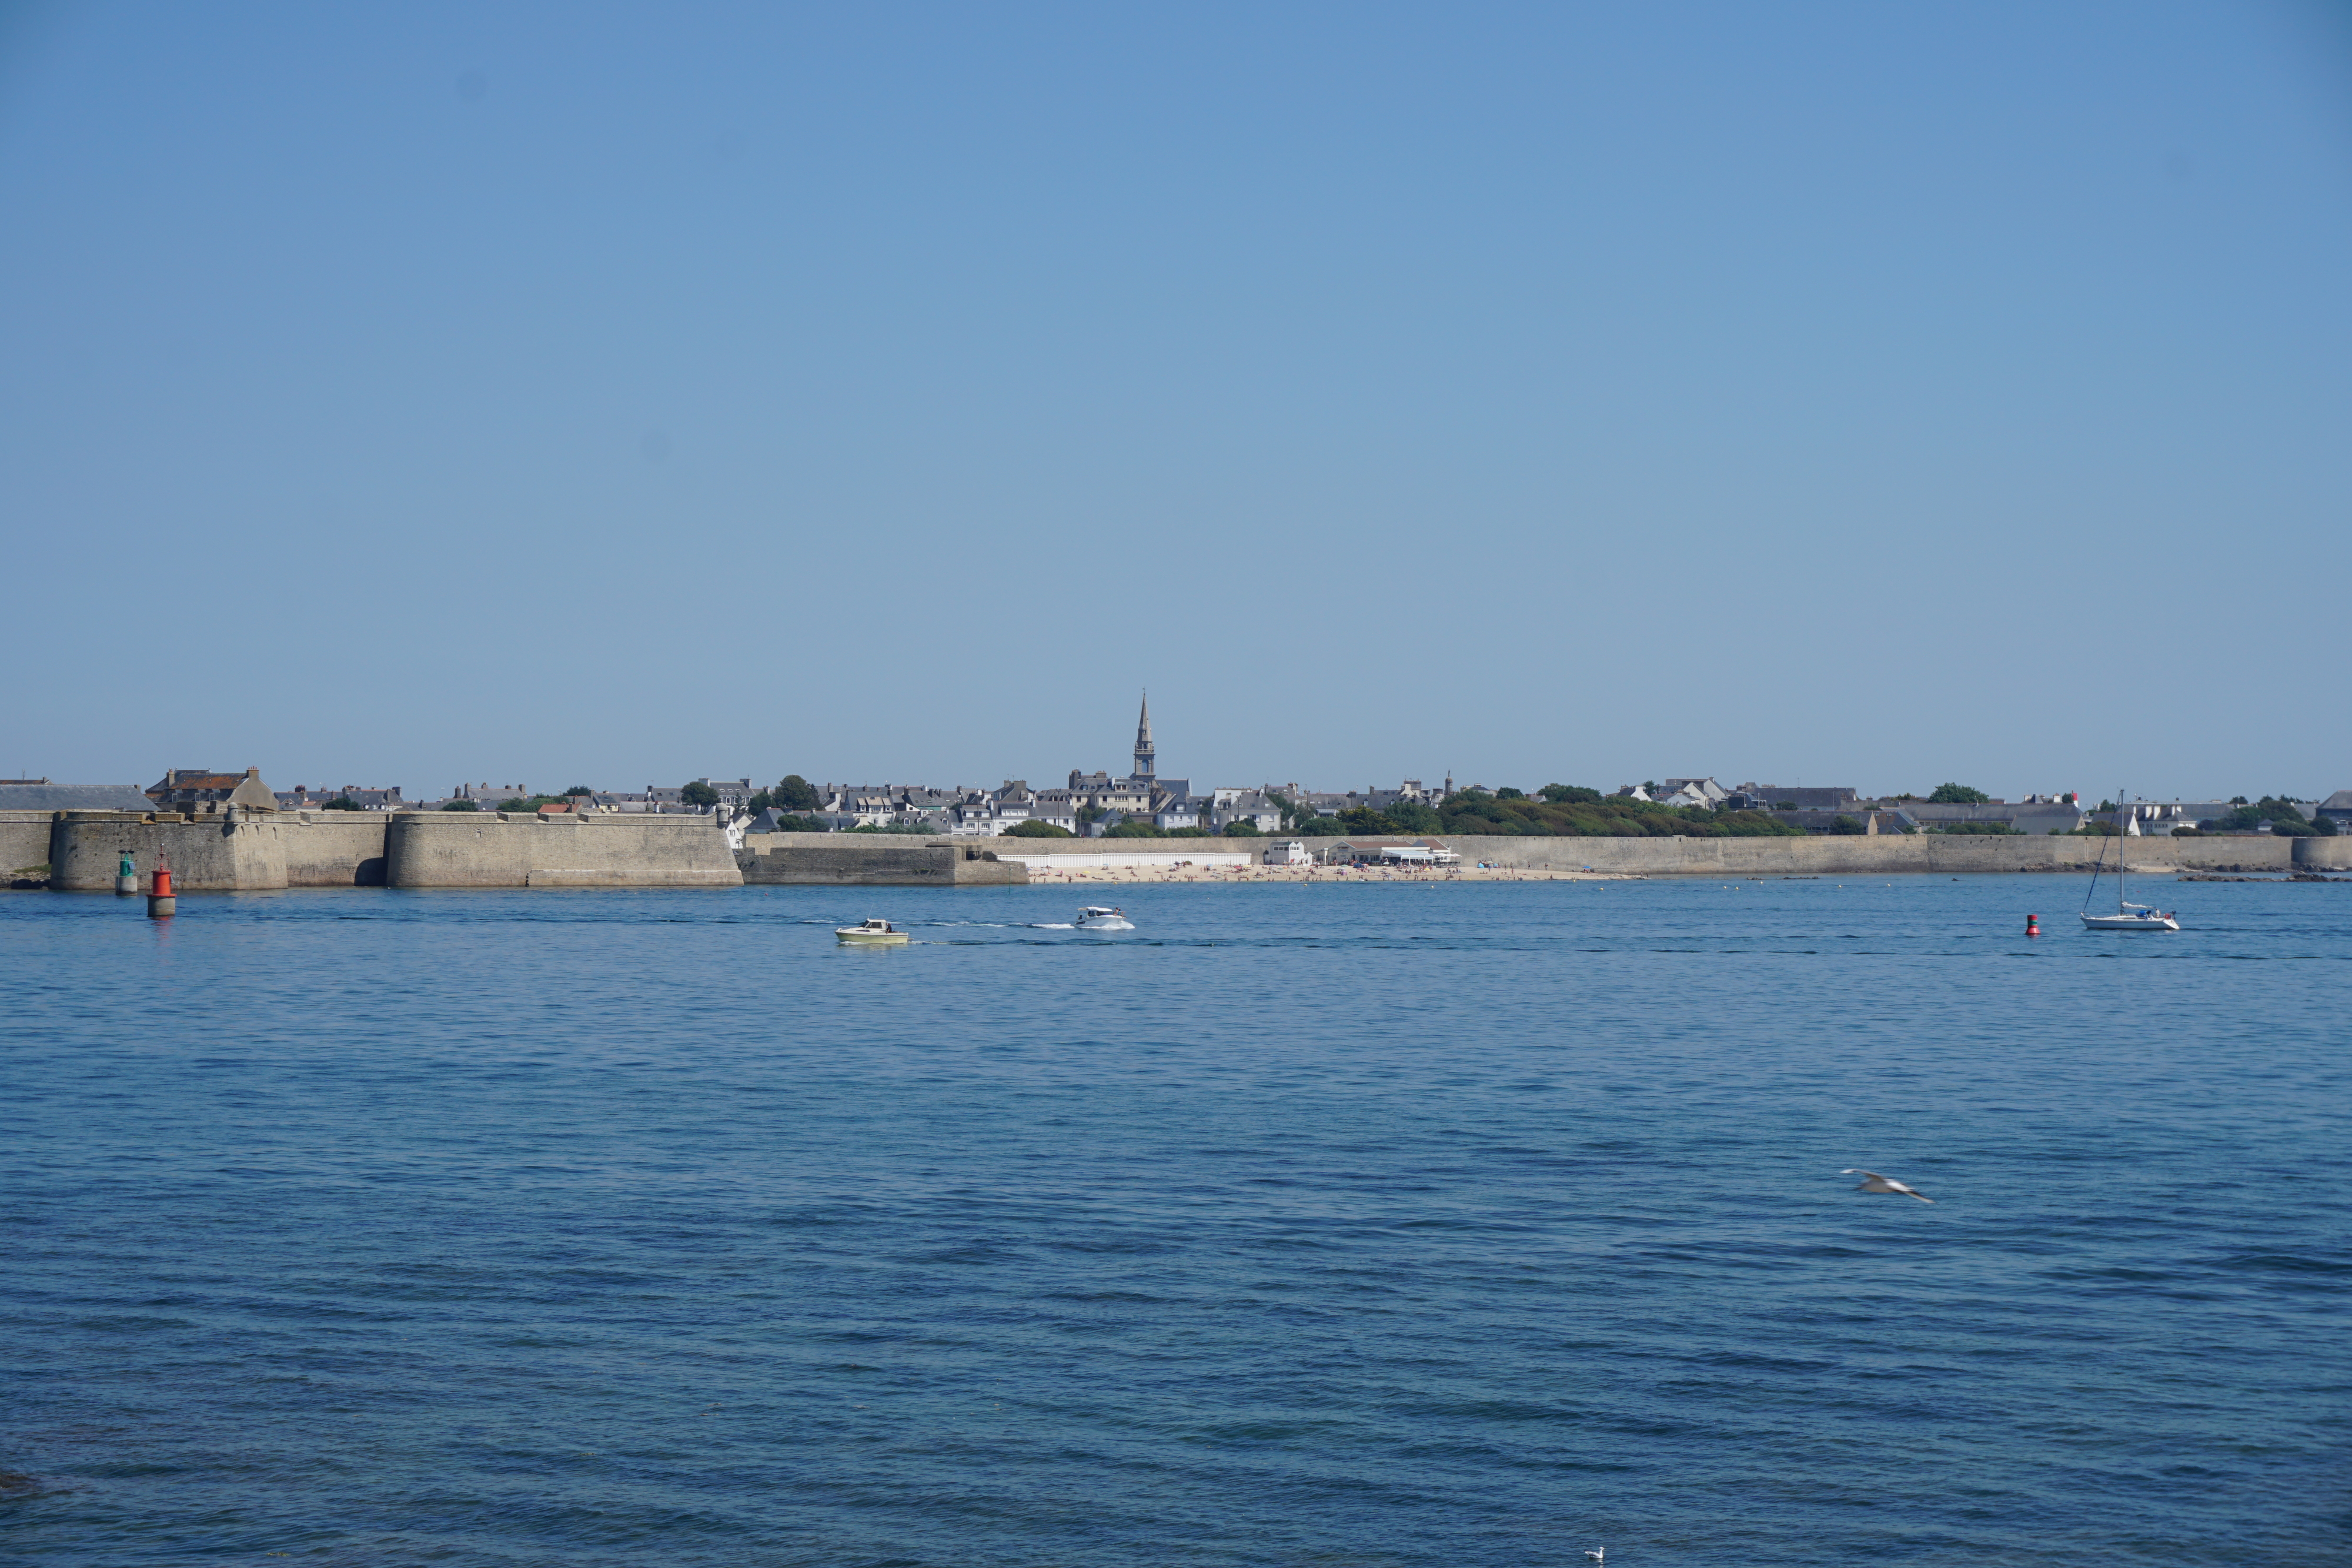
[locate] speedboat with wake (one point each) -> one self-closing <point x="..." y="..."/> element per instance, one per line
<point x="1097" y="918"/>
<point x="872" y="934"/>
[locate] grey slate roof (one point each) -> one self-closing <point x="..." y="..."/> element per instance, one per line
<point x="74" y="798"/>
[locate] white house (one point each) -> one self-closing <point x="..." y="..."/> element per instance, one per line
<point x="1394" y="852"/>
<point x="1230" y="806"/>
<point x="1428" y="852"/>
<point x="974" y="816"/>
<point x="1056" y="807"/>
<point x="1706" y="790"/>
<point x="1012" y="802"/>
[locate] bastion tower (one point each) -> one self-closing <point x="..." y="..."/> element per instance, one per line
<point x="1143" y="748"/>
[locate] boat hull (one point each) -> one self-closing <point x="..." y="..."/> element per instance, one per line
<point x="2129" y="923"/>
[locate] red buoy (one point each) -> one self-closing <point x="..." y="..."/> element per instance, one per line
<point x="159" y="902"/>
<point x="2034" y="925"/>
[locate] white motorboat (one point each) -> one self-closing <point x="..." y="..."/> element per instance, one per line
<point x="2127" y="916"/>
<point x="1097" y="918"/>
<point x="872" y="934"/>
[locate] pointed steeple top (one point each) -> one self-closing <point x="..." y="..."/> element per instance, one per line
<point x="1143" y="747"/>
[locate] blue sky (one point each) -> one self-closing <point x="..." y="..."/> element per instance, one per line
<point x="1817" y="393"/>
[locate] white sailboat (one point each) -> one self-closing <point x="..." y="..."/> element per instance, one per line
<point x="2129" y="917"/>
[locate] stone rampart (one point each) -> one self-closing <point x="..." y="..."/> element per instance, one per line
<point x="874" y="860"/>
<point x="1868" y="854"/>
<point x="24" y="842"/>
<point x="334" y="849"/>
<point x="371" y="849"/>
<point x="1860" y="855"/>
<point x="301" y="849"/>
<point x="511" y="848"/>
<point x="433" y="849"/>
<point x="2323" y="854"/>
<point x="216" y="854"/>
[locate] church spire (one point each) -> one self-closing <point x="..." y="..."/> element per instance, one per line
<point x="1143" y="747"/>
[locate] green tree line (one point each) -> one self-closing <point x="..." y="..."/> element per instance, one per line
<point x="2280" y="813"/>
<point x="1556" y="810"/>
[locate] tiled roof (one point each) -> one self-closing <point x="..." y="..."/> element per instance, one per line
<point x="74" y="798"/>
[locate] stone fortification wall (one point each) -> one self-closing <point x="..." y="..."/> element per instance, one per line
<point x="371" y="849"/>
<point x="214" y="855"/>
<point x="322" y="849"/>
<point x="1860" y="855"/>
<point x="864" y="859"/>
<point x="502" y="848"/>
<point x="325" y="849"/>
<point x="23" y="841"/>
<point x="427" y="849"/>
<point x="2323" y="854"/>
<point x="334" y="849"/>
<point x="1871" y="854"/>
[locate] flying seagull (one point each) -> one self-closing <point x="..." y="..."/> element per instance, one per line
<point x="1884" y="1184"/>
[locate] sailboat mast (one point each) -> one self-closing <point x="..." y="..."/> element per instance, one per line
<point x="2120" y="821"/>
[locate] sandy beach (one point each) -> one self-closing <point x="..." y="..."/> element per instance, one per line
<point x="1041" y="875"/>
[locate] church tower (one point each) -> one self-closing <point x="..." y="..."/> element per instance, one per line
<point x="1143" y="749"/>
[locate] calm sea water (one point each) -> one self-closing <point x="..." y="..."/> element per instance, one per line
<point x="1380" y="1225"/>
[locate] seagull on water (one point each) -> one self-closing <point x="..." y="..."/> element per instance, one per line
<point x="1884" y="1184"/>
<point x="1597" y="1553"/>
